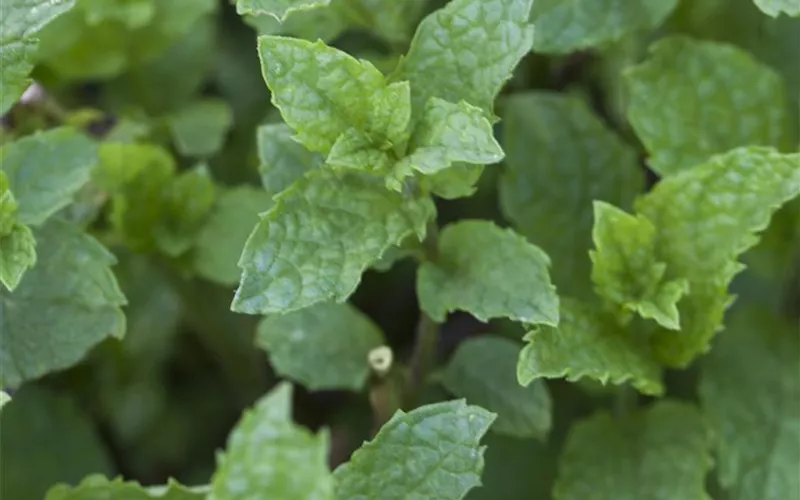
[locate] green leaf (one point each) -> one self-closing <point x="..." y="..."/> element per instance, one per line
<point x="187" y="202"/>
<point x="17" y="254"/>
<point x="400" y="462"/>
<point x="46" y="169"/>
<point x="658" y="453"/>
<point x="588" y="343"/>
<point x="489" y="272"/>
<point x="458" y="181"/>
<point x="692" y="99"/>
<point x="132" y="13"/>
<point x="322" y="233"/>
<point x="282" y="159"/>
<point x="4" y="399"/>
<point x="705" y="217"/>
<point x="75" y="49"/>
<point x="755" y="413"/>
<point x="516" y="469"/>
<point x="220" y="241"/>
<point x="20" y="20"/>
<point x="445" y="61"/>
<point x="483" y="370"/>
<point x="775" y="7"/>
<point x="569" y="26"/>
<point x="46" y="438"/>
<point x="448" y="133"/>
<point x="97" y="487"/>
<point x="626" y="271"/>
<point x="268" y="456"/>
<point x="323" y="347"/>
<point x="560" y="158"/>
<point x="66" y="304"/>
<point x="319" y="90"/>
<point x="279" y="9"/>
<point x="199" y="129"/>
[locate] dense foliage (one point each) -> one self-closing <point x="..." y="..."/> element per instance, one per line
<point x="400" y="249"/>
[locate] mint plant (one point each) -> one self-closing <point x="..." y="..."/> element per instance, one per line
<point x="433" y="250"/>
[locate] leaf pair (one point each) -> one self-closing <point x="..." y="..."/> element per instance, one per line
<point x="330" y="225"/>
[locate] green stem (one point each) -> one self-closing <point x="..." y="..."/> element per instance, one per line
<point x="423" y="359"/>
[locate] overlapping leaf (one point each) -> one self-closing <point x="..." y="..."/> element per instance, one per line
<point x="755" y="413"/>
<point x="20" y="20"/>
<point x="483" y="372"/>
<point x="444" y="61"/>
<point x="776" y="7"/>
<point x="625" y="270"/>
<point x="560" y="158"/>
<point x="490" y="272"/>
<point x="282" y="159"/>
<point x="324" y="346"/>
<point x="692" y="99"/>
<point x="658" y="453"/>
<point x="400" y="462"/>
<point x="199" y="129"/>
<point x="45" y="170"/>
<point x="65" y="305"/>
<point x="589" y="343"/>
<point x="97" y="487"/>
<point x="705" y="218"/>
<point x="220" y="241"/>
<point x="572" y="25"/>
<point x="322" y="233"/>
<point x="268" y="456"/>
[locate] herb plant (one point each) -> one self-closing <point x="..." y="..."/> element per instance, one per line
<point x="411" y="249"/>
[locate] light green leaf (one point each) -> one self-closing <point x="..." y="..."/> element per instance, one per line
<point x="775" y="7"/>
<point x="324" y="24"/>
<point x="588" y="343"/>
<point x="692" y="99"/>
<point x="625" y="269"/>
<point x="483" y="370"/>
<point x="448" y="133"/>
<point x="322" y="233"/>
<point x="445" y="61"/>
<point x="199" y="129"/>
<point x="750" y="392"/>
<point x="706" y="217"/>
<point x="282" y="159"/>
<point x="318" y="89"/>
<point x="137" y="177"/>
<point x="75" y="49"/>
<point x="188" y="199"/>
<point x="133" y="13"/>
<point x="560" y="158"/>
<point x="572" y="25"/>
<point x="268" y="456"/>
<point x="66" y="304"/>
<point x="46" y="438"/>
<point x="171" y="80"/>
<point x="661" y="453"/>
<point x="323" y="347"/>
<point x="20" y="20"/>
<point x="401" y="462"/>
<point x="8" y="206"/>
<point x="46" y="169"/>
<point x="4" y="398"/>
<point x="17" y="254"/>
<point x="458" y="181"/>
<point x="221" y="239"/>
<point x="279" y="9"/>
<point x="489" y="272"/>
<point x="98" y="487"/>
